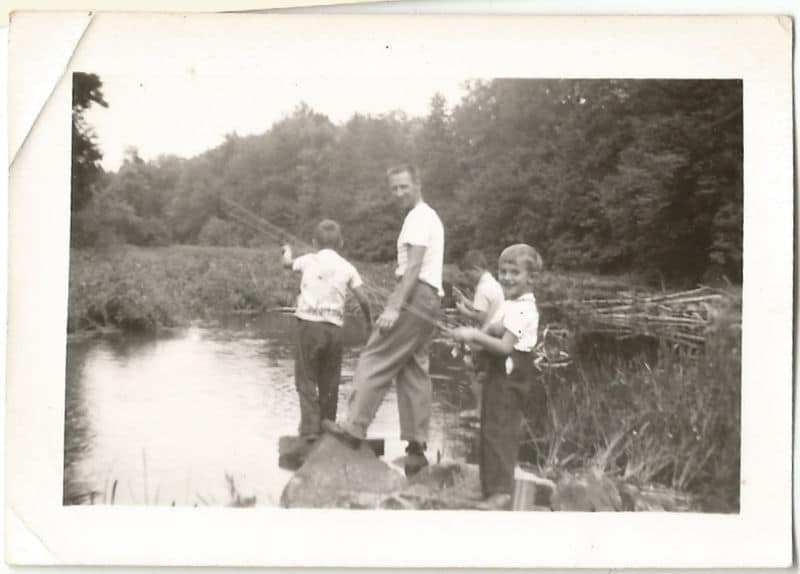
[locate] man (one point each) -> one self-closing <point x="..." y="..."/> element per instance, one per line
<point x="399" y="347"/>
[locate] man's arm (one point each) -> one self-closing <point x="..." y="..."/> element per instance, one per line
<point x="403" y="290"/>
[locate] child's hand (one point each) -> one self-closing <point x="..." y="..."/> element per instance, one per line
<point x="494" y="329"/>
<point x="464" y="334"/>
<point x="459" y="295"/>
<point x="463" y="307"/>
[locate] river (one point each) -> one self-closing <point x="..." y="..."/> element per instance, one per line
<point x="193" y="417"/>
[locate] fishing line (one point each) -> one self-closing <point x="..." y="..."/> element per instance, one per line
<point x="377" y="295"/>
<point x="278" y="233"/>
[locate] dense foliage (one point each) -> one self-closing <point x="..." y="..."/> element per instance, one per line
<point x="641" y="176"/>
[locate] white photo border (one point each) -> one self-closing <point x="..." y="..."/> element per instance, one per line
<point x="39" y="530"/>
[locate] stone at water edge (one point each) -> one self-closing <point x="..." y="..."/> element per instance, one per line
<point x="293" y="450"/>
<point x="586" y="493"/>
<point x="437" y="476"/>
<point x="290" y="445"/>
<point x="653" y="498"/>
<point x="334" y="471"/>
<point x="447" y="485"/>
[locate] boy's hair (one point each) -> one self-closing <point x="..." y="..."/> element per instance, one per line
<point x="474" y="259"/>
<point x="328" y="234"/>
<point x="405" y="167"/>
<point x="522" y="252"/>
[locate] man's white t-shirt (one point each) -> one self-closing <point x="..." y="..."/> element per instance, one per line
<point x="422" y="227"/>
<point x="488" y="295"/>
<point x="323" y="288"/>
<point x="521" y="317"/>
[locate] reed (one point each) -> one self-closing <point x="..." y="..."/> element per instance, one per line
<point x="671" y="418"/>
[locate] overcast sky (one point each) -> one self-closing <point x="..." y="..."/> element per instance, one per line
<point x="187" y="115"/>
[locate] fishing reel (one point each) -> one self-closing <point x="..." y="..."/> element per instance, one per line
<point x="550" y="352"/>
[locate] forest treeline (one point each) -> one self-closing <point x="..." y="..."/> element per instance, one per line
<point x="610" y="176"/>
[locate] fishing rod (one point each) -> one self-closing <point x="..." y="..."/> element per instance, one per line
<point x="258" y="223"/>
<point x="281" y="235"/>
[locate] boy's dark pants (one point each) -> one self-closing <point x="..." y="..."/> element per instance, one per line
<point x="504" y="396"/>
<point x="317" y="372"/>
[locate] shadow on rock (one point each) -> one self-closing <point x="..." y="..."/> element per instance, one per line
<point x="333" y="473"/>
<point x="336" y="476"/>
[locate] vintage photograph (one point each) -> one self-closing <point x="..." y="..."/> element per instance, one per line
<point x="432" y="293"/>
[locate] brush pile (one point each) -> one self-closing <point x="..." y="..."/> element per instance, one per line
<point x="683" y="318"/>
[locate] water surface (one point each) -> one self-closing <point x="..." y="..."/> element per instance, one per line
<point x="181" y="419"/>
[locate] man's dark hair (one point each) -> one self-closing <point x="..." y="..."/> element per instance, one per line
<point x="405" y="167"/>
<point x="474" y="259"/>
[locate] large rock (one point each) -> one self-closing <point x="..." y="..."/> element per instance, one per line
<point x="593" y="492"/>
<point x="293" y="450"/>
<point x="447" y="485"/>
<point x="337" y="476"/>
<point x="653" y="498"/>
<point x="587" y="492"/>
<point x="334" y="472"/>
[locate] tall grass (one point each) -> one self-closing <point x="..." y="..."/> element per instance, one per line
<point x="144" y="289"/>
<point x="666" y="416"/>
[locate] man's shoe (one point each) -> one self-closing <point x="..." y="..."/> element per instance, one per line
<point x="415" y="458"/>
<point x="500" y="501"/>
<point x="342" y="434"/>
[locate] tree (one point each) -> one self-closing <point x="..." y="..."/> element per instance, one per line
<point x="86" y="156"/>
<point x="617" y="176"/>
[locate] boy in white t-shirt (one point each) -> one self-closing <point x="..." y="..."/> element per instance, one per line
<point x="326" y="279"/>
<point x="484" y="305"/>
<point x="488" y="292"/>
<point x="507" y="341"/>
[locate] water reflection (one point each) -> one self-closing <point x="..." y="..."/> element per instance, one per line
<point x="194" y="417"/>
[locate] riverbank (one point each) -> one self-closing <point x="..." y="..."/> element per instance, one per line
<point x="135" y="289"/>
<point x="644" y="411"/>
<point x="146" y="289"/>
